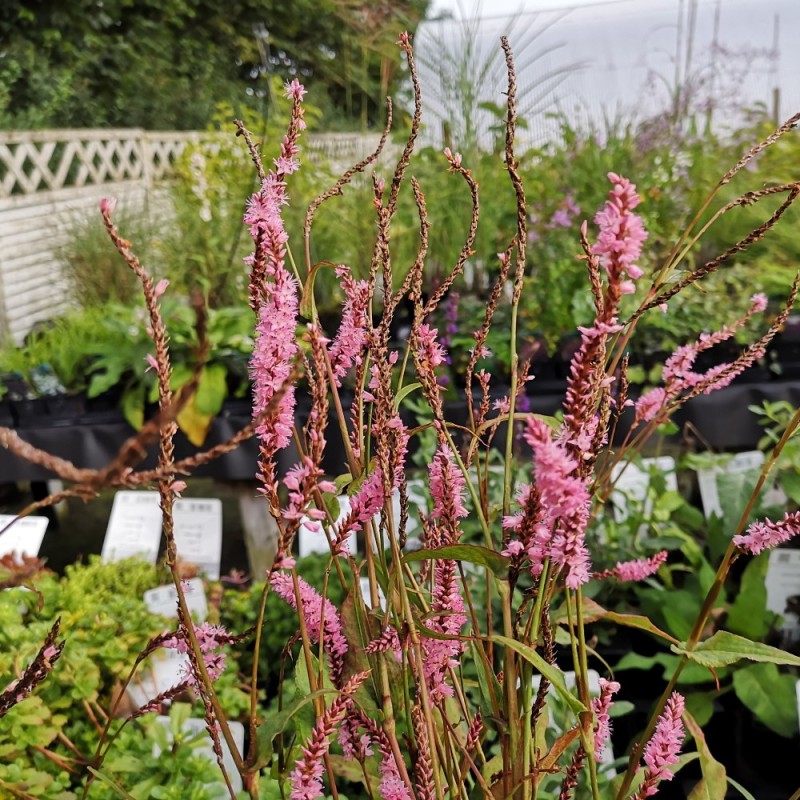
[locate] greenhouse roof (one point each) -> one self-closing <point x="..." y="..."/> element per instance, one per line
<point x="610" y="63"/>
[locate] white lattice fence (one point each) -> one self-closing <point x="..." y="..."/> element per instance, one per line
<point x="342" y="150"/>
<point x="51" y="181"/>
<point x="41" y="161"/>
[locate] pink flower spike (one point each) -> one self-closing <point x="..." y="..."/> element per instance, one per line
<point x="565" y="500"/>
<point x="321" y="617"/>
<point x="176" y="487"/>
<point x="295" y="90"/>
<point x="160" y="288"/>
<point x="600" y="706"/>
<point x="758" y="303"/>
<point x="622" y="232"/>
<point x="448" y="487"/>
<point x="636" y="570"/>
<point x="662" y="750"/>
<point x="210" y="639"/>
<point x="151" y="362"/>
<point x="351" y="339"/>
<point x="306" y="778"/>
<point x="107" y="205"/>
<point x="765" y="535"/>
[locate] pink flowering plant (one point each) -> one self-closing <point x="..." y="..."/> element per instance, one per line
<point x="435" y="675"/>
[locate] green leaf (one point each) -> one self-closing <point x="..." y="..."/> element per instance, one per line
<point x="739" y="788"/>
<point x="735" y="489"/>
<point x="405" y="392"/>
<point x="132" y="404"/>
<point x="639" y="622"/>
<point x="790" y="483"/>
<point x="680" y="609"/>
<point x="700" y="705"/>
<point x="769" y="695"/>
<point x="620" y="708"/>
<point x="342" y="481"/>
<point x="714" y="784"/>
<point x="275" y="724"/>
<point x="111" y="783"/>
<point x="748" y="616"/>
<point x="212" y="389"/>
<point x="181" y="374"/>
<point x="487" y="681"/>
<point x="725" y="648"/>
<point x="307" y="306"/>
<point x="553" y="674"/>
<point x="103" y="381"/>
<point x="471" y="553"/>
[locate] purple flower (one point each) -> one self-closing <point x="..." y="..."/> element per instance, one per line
<point x="210" y="638"/>
<point x="295" y="90"/>
<point x="560" y="219"/>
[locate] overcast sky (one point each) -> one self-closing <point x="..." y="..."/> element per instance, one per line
<point x="488" y="8"/>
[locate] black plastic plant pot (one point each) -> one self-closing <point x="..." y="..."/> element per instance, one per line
<point x="30" y="413"/>
<point x="65" y="408"/>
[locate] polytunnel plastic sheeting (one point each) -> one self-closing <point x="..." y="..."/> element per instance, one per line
<point x="609" y="64"/>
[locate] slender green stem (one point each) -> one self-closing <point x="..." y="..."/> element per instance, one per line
<point x="532" y="634"/>
<point x="583" y="682"/>
<point x="510" y="686"/>
<point x="526" y="687"/>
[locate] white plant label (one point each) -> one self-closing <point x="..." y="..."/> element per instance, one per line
<point x="366" y="594"/>
<point x="314" y="541"/>
<point x="198" y="533"/>
<point x="631" y="482"/>
<point x="165" y="668"/>
<point x="134" y="529"/>
<point x="205" y="748"/>
<point x="24" y="537"/>
<point x="797" y="687"/>
<point x="163" y="600"/>
<point x="751" y="461"/>
<point x="783" y="583"/>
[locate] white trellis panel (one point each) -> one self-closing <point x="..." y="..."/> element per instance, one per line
<point x="51" y="181"/>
